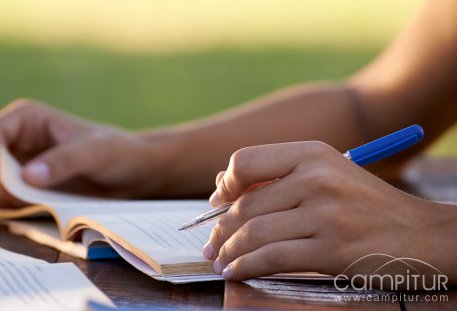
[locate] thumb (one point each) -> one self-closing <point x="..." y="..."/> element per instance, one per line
<point x="59" y="164"/>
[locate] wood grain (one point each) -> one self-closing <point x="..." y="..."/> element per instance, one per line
<point x="300" y="295"/>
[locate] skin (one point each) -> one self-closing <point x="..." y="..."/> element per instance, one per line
<point x="319" y="203"/>
<point x="312" y="187"/>
<point x="71" y="153"/>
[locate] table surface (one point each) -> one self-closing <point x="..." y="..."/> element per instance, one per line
<point x="430" y="178"/>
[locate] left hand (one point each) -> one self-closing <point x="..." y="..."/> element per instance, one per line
<point x="315" y="210"/>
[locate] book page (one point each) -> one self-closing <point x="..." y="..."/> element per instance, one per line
<point x="67" y="211"/>
<point x="28" y="283"/>
<point x="156" y="234"/>
<point x="148" y="270"/>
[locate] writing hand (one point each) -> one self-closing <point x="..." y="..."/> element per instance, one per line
<point x="321" y="213"/>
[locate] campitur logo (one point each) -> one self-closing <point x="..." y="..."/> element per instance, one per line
<point x="413" y="274"/>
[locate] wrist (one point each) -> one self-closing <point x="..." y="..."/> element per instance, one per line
<point x="188" y="158"/>
<point x="157" y="160"/>
<point x="437" y="237"/>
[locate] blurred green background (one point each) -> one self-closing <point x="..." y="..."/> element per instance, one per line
<point x="146" y="63"/>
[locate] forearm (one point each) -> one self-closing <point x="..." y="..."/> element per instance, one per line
<point x="413" y="81"/>
<point x="197" y="150"/>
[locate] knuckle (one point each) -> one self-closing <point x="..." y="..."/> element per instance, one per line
<point x="253" y="230"/>
<point x="241" y="210"/>
<point x="224" y="191"/>
<point x="321" y="176"/>
<point x="224" y="255"/>
<point x="318" y="176"/>
<point x="239" y="161"/>
<point x="24" y="105"/>
<point x="239" y="164"/>
<point x="219" y="177"/>
<point x="218" y="233"/>
<point x="322" y="179"/>
<point x="101" y="141"/>
<point x="318" y="147"/>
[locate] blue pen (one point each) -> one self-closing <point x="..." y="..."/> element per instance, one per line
<point x="373" y="151"/>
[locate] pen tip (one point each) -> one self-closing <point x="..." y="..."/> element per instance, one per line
<point x="186" y="226"/>
<point x="183" y="227"/>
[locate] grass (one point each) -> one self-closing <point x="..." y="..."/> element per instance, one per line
<point x="140" y="90"/>
<point x="147" y="90"/>
<point x="169" y="65"/>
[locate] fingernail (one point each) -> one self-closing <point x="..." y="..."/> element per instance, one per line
<point x="215" y="199"/>
<point x="217" y="266"/>
<point x="227" y="273"/>
<point x="39" y="171"/>
<point x="208" y="250"/>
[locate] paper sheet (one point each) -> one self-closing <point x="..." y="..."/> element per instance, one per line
<point x="32" y="284"/>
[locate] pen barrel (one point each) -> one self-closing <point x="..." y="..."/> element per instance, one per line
<point x="207" y="216"/>
<point x="213" y="213"/>
<point x="386" y="146"/>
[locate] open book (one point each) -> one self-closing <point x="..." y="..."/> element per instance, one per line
<point x="144" y="233"/>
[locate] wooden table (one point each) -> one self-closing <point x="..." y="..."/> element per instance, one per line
<point x="430" y="178"/>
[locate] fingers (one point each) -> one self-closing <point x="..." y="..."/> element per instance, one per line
<point x="292" y="224"/>
<point x="12" y="119"/>
<point x="271" y="198"/>
<point x="219" y="177"/>
<point x="305" y="255"/>
<point x="29" y="126"/>
<point x="61" y="163"/>
<point x="261" y="164"/>
<point x="213" y="198"/>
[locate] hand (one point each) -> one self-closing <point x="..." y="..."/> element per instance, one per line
<point x="319" y="213"/>
<point x="78" y="155"/>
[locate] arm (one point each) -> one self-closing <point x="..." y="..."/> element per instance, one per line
<point x="328" y="215"/>
<point x="312" y="202"/>
<point x="412" y="81"/>
<point x="198" y="150"/>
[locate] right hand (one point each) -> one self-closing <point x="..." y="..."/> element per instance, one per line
<point x="59" y="150"/>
